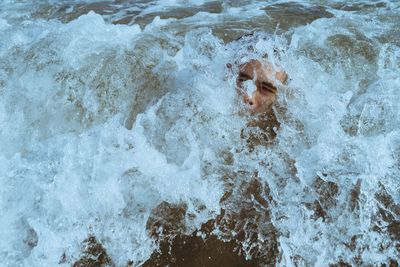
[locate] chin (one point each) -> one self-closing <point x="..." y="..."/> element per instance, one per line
<point x="260" y="109"/>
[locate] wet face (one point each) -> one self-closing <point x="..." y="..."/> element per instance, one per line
<point x="256" y="84"/>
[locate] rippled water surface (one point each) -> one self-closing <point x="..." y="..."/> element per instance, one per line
<point x="123" y="143"/>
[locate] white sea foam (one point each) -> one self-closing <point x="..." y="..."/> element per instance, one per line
<point x="70" y="167"/>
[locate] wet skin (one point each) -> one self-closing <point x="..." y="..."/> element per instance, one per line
<point x="263" y="77"/>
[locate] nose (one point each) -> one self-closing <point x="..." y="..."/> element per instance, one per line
<point x="248" y="100"/>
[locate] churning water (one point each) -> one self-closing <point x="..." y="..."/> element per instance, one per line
<point x="119" y="127"/>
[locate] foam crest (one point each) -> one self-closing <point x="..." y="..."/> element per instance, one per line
<point x="103" y="125"/>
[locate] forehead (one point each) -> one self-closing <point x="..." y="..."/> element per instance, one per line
<point x="256" y="70"/>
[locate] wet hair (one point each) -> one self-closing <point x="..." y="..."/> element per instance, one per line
<point x="244" y="46"/>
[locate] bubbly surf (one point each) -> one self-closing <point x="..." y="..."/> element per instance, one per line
<point x="108" y="109"/>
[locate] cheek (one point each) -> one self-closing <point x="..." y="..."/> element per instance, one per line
<point x="263" y="99"/>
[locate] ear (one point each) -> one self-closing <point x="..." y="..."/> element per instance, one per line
<point x="281" y="76"/>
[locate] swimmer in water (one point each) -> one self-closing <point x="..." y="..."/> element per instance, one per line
<point x="256" y="84"/>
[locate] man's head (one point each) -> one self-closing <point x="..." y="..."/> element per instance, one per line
<point x="256" y="84"/>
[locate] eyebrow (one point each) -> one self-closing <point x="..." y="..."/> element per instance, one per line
<point x="268" y="86"/>
<point x="244" y="75"/>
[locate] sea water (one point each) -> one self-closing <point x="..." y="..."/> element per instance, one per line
<point x="108" y="108"/>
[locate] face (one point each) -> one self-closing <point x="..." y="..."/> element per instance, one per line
<point x="256" y="84"/>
